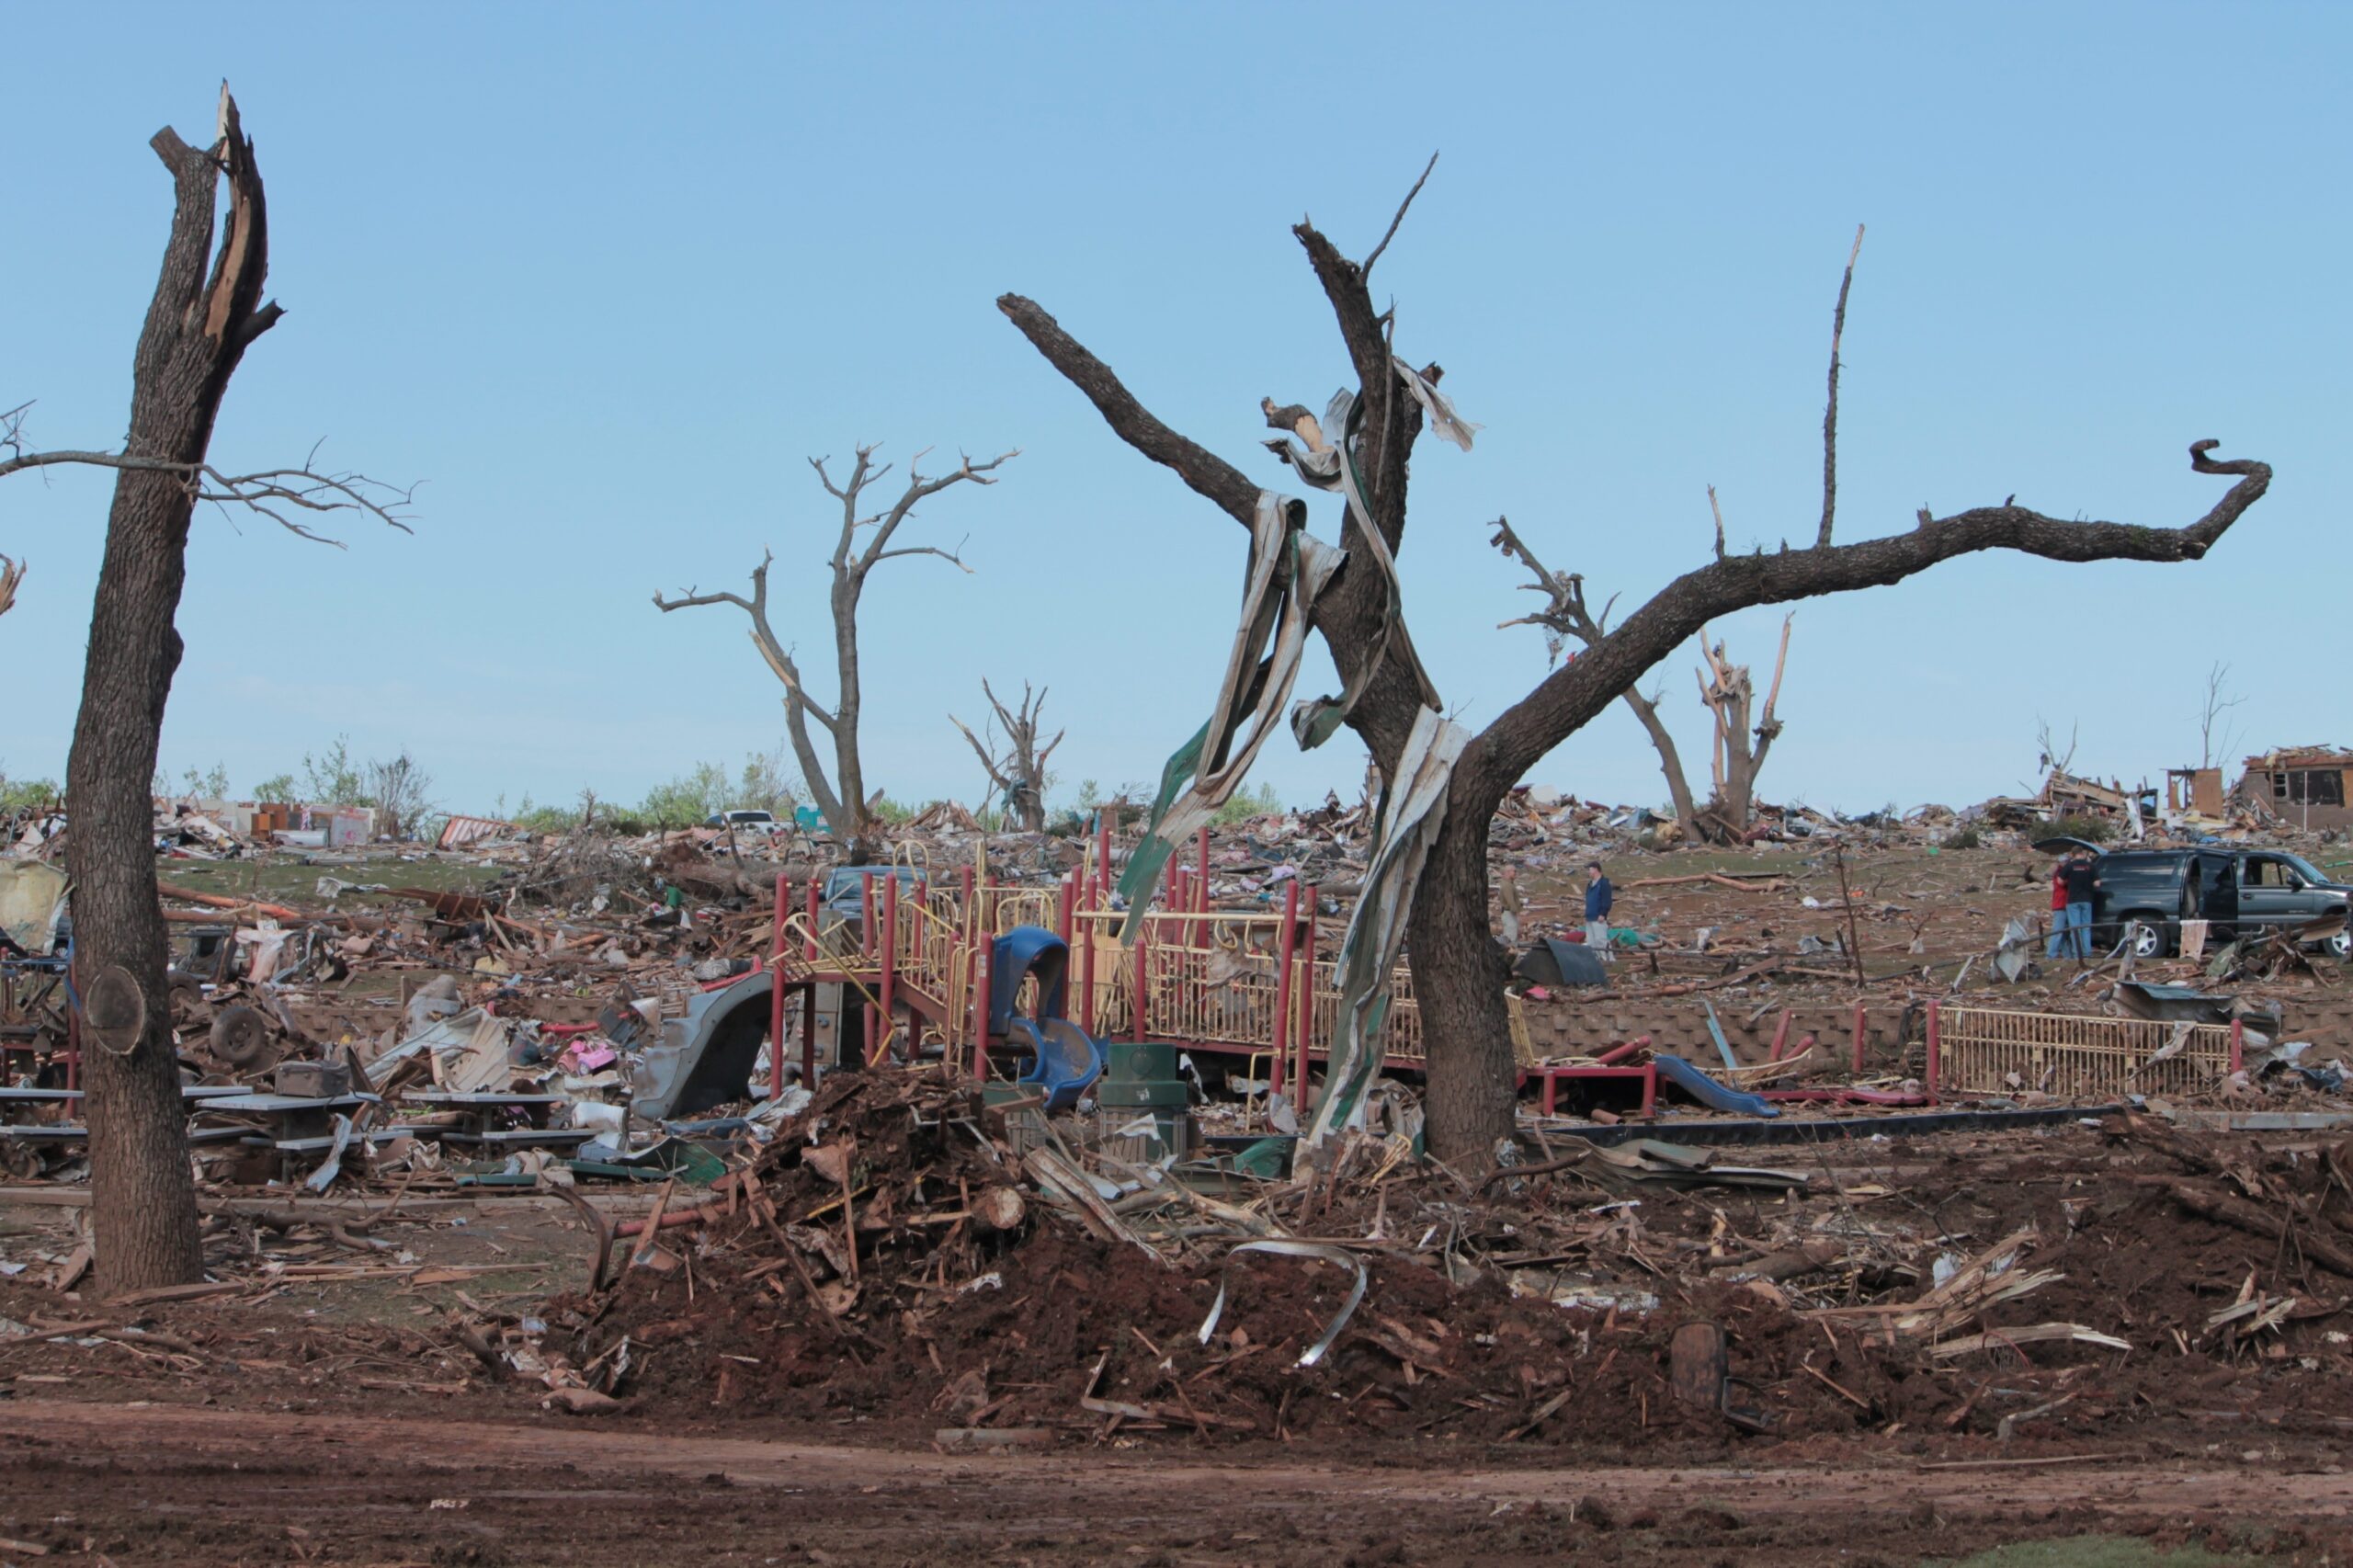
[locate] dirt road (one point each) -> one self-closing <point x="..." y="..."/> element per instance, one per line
<point x="159" y="1484"/>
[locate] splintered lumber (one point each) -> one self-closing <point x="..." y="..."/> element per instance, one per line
<point x="2033" y="1334"/>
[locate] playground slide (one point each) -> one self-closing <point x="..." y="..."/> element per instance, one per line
<point x="1066" y="1060"/>
<point x="1705" y="1090"/>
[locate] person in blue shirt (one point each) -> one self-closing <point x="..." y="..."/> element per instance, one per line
<point x="1598" y="895"/>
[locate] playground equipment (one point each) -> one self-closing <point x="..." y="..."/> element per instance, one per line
<point x="939" y="965"/>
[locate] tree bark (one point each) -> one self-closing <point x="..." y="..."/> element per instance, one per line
<point x="143" y="1197"/>
<point x="1460" y="972"/>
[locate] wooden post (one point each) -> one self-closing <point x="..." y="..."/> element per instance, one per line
<point x="1858" y="1039"/>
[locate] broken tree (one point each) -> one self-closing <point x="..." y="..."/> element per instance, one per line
<point x="1019" y="777"/>
<point x="1443" y="784"/>
<point x="142" y="1203"/>
<point x="1741" y="737"/>
<point x="842" y="798"/>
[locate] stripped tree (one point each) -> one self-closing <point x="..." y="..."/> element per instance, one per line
<point x="1443" y="784"/>
<point x="143" y="1201"/>
<point x="863" y="543"/>
<point x="1018" y="775"/>
<point x="1742" y="737"/>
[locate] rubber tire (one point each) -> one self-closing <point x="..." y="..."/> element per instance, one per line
<point x="239" y="1036"/>
<point x="2340" y="947"/>
<point x="2150" y="941"/>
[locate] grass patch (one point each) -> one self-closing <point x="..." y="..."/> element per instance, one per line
<point x="283" y="878"/>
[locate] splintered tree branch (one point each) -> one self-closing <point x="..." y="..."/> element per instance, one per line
<point x="1829" y="412"/>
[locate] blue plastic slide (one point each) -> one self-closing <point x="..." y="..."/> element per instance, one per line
<point x="1707" y="1091"/>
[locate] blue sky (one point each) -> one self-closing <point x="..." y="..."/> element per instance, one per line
<point x="603" y="278"/>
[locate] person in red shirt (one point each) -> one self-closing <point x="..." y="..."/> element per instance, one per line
<point x="2062" y="927"/>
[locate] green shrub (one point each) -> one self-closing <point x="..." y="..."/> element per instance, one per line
<point x="1246" y="803"/>
<point x="2097" y="830"/>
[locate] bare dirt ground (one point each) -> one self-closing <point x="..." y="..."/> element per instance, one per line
<point x="314" y="1415"/>
<point x="159" y="1484"/>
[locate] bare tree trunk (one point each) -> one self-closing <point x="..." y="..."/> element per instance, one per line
<point x="1670" y="762"/>
<point x="1738" y="748"/>
<point x="1458" y="977"/>
<point x="143" y="1199"/>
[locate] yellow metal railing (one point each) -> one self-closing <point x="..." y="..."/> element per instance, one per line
<point x="1991" y="1051"/>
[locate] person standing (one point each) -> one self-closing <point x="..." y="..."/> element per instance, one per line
<point x="1598" y="896"/>
<point x="2060" y="921"/>
<point x="2080" y="883"/>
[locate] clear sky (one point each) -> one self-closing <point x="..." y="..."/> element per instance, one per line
<point x="605" y="277"/>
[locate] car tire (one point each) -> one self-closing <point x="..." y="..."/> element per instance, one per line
<point x="240" y="1037"/>
<point x="2148" y="935"/>
<point x="2340" y="947"/>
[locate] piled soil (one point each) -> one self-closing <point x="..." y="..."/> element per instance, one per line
<point x="948" y="1322"/>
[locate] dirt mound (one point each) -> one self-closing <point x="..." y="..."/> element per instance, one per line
<point x="891" y="1260"/>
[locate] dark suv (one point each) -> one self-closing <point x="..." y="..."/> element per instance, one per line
<point x="2243" y="891"/>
